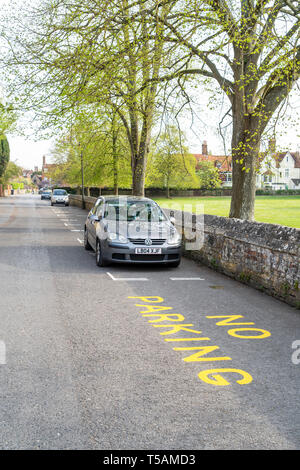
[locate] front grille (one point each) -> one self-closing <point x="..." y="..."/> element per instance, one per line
<point x="141" y="241"/>
<point x="147" y="257"/>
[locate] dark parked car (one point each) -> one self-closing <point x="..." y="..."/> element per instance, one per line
<point x="131" y="230"/>
<point x="46" y="194"/>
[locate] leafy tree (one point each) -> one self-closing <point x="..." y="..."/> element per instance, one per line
<point x="92" y="52"/>
<point x="171" y="165"/>
<point x="208" y="175"/>
<point x="4" y="155"/>
<point x="12" y="171"/>
<point x="104" y="149"/>
<point x="7" y="119"/>
<point x="120" y="53"/>
<point x="251" y="50"/>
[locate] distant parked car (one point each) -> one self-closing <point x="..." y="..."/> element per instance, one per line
<point x="41" y="190"/>
<point x="60" y="196"/>
<point x="131" y="230"/>
<point x="46" y="194"/>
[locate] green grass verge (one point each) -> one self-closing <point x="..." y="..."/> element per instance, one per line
<point x="284" y="210"/>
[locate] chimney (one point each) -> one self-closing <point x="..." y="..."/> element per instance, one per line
<point x="44" y="160"/>
<point x="272" y="145"/>
<point x="204" y="148"/>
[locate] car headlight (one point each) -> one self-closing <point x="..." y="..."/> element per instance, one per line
<point x="116" y="237"/>
<point x="174" y="239"/>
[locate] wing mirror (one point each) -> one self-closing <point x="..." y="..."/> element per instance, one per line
<point x="97" y="218"/>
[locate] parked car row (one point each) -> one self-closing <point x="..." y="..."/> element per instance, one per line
<point x="57" y="196"/>
<point x="123" y="229"/>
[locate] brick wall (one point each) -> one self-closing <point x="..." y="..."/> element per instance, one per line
<point x="265" y="256"/>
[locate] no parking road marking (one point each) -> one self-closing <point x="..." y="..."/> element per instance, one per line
<point x="187" y="279"/>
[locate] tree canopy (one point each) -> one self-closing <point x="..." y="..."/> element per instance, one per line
<point x="135" y="57"/>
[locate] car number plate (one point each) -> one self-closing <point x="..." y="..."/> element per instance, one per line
<point x="148" y="251"/>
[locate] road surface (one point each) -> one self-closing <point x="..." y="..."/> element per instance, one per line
<point x="90" y="364"/>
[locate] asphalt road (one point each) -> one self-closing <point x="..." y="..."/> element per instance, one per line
<point x="86" y="369"/>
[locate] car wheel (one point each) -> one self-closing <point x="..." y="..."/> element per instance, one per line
<point x="86" y="244"/>
<point x="99" y="256"/>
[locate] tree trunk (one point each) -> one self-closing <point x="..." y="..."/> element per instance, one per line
<point x="115" y="163"/>
<point x="245" y="148"/>
<point x="139" y="159"/>
<point x="138" y="176"/>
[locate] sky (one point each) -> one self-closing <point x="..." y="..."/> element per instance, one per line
<point x="27" y="153"/>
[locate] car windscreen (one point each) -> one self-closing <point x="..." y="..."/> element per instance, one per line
<point x="139" y="211"/>
<point x="59" y="192"/>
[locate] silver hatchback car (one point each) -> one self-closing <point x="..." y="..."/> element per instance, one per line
<point x="131" y="229"/>
<point x="59" y="196"/>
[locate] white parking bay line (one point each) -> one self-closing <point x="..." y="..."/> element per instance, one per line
<point x="80" y="241"/>
<point x="127" y="278"/>
<point x="186" y="279"/>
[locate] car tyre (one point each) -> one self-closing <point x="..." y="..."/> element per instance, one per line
<point x="86" y="244"/>
<point x="99" y="256"/>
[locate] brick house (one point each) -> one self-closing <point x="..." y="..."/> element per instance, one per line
<point x="221" y="162"/>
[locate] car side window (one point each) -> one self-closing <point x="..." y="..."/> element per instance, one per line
<point x="94" y="209"/>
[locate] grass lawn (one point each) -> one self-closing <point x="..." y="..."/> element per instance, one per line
<point x="284" y="210"/>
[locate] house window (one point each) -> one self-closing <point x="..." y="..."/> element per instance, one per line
<point x="268" y="178"/>
<point x="287" y="173"/>
<point x="228" y="177"/>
